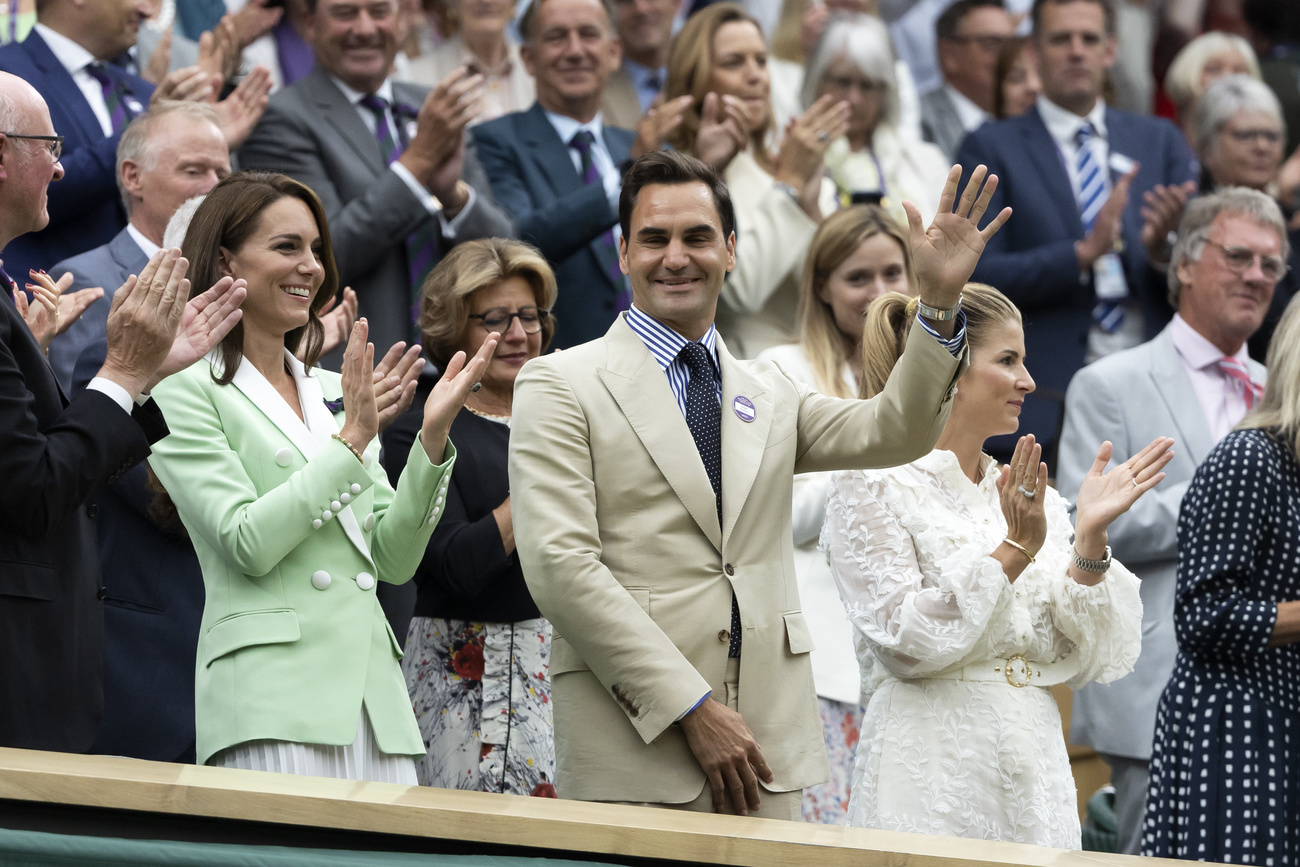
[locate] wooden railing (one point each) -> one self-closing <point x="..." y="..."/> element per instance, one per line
<point x="65" y="793"/>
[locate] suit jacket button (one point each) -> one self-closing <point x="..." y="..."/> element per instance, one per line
<point x="103" y="592"/>
<point x="369" y="523"/>
<point x="365" y="580"/>
<point x="284" y="457"/>
<point x="356" y="489"/>
<point x="336" y="506"/>
<point x="317" y="524"/>
<point x="92" y="510"/>
<point x="345" y="497"/>
<point x="729" y="570"/>
<point x="724" y="637"/>
<point x="320" y="580"/>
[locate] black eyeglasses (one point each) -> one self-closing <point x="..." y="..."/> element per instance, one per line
<point x="55" y="146"/>
<point x="499" y="319"/>
<point x="1239" y="260"/>
<point x="1248" y="136"/>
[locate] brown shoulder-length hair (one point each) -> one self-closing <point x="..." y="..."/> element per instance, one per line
<point x="1007" y="57"/>
<point x="690" y="67"/>
<point x="468" y="268"/>
<point x="230" y="214"/>
<point x="836" y="239"/>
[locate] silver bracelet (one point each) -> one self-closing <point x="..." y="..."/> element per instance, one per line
<point x="938" y="314"/>
<point x="1097" y="567"/>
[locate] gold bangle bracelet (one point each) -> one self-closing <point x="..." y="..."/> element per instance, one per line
<point x="1021" y="548"/>
<point x="354" y="451"/>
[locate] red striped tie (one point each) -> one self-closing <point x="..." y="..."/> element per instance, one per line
<point x="1234" y="369"/>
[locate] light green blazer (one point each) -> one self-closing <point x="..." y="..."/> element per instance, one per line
<point x="292" y="532"/>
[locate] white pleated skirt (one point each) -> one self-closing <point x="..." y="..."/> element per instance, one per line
<point x="360" y="760"/>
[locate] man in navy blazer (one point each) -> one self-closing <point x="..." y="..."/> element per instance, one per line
<point x="536" y="168"/>
<point x="173" y="152"/>
<point x="1062" y="277"/>
<point x="85" y="210"/>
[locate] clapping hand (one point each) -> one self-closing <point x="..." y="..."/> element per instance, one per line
<point x="946" y="253"/>
<point x="395" y="379"/>
<point x="723" y="131"/>
<point x="206" y="319"/>
<point x="1021" y="489"/>
<point x="337" y="318"/>
<point x="51" y="312"/>
<point x="1103" y="496"/>
<point x="1162" y="210"/>
<point x="659" y="123"/>
<point x="449" y="395"/>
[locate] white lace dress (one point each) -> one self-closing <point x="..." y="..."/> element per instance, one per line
<point x="910" y="550"/>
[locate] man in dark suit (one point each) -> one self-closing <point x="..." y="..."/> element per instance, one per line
<point x="968" y="36"/>
<point x="53" y="452"/>
<point x="556" y="166"/>
<point x="1074" y="170"/>
<point x="66" y="58"/>
<point x="388" y="160"/>
<point x="173" y="152"/>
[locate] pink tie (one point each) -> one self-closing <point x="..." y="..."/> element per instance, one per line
<point x="1234" y="369"/>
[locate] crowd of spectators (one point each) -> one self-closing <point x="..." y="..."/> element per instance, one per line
<point x="486" y="235"/>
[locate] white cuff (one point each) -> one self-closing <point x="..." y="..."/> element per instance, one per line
<point x="449" y="226"/>
<point x="115" y="392"/>
<point x="428" y="199"/>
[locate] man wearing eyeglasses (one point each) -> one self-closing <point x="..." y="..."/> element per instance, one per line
<point x="969" y="35"/>
<point x="1194" y="381"/>
<point x="55" y="451"/>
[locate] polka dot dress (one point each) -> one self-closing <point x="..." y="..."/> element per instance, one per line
<point x="1225" y="769"/>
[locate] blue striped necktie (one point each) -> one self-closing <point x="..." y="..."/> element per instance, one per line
<point x="1108" y="314"/>
<point x="420" y="244"/>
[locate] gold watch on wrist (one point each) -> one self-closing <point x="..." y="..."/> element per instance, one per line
<point x="938" y="314"/>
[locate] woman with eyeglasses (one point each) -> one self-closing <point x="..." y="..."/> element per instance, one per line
<point x="478" y="650"/>
<point x="1238" y="134"/>
<point x="871" y="162"/>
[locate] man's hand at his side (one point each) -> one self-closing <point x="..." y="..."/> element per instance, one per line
<point x="725" y="747"/>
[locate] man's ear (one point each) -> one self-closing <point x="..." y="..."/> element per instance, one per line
<point x="622" y="255"/>
<point x="6" y="156"/>
<point x="131" y="177"/>
<point x="526" y="55"/>
<point x="731" y="252"/>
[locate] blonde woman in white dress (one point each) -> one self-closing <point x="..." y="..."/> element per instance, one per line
<point x="969" y="599"/>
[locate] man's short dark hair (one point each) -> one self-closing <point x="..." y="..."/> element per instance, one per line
<point x="528" y="21"/>
<point x="1107" y="8"/>
<point x="948" y="23"/>
<point x="672" y="168"/>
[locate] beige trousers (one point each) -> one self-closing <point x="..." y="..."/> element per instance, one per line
<point x="774" y="805"/>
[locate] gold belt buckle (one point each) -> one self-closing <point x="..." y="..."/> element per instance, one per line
<point x="1018" y="671"/>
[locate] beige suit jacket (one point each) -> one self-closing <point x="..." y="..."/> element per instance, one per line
<point x="620" y="105"/>
<point x="618" y="536"/>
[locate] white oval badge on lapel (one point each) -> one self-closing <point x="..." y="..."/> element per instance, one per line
<point x="744" y="408"/>
<point x="133" y="104"/>
<point x="411" y="129"/>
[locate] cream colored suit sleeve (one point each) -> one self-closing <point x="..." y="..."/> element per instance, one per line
<point x="555" y="503"/>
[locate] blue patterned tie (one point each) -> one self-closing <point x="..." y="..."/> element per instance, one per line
<point x="1108" y="314"/>
<point x="704" y="418"/>
<point x="607" y="248"/>
<point x="420" y="245"/>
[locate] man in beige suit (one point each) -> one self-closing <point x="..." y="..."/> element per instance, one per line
<point x="651" y="477"/>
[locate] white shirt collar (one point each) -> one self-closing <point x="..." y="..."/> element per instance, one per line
<point x="567" y="127"/>
<point x="1063" y="124"/>
<point x="149" y="247"/>
<point x="71" y="54"/>
<point x="972" y="117"/>
<point x="384" y="91"/>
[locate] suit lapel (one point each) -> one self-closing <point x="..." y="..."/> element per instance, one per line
<point x="127" y="255"/>
<point x="742" y="442"/>
<point x="307" y="435"/>
<point x="1046" y="159"/>
<point x="640" y="388"/>
<point x="342" y="116"/>
<point x="68" y="100"/>
<point x="1175" y="389"/>
<point x="549" y="152"/>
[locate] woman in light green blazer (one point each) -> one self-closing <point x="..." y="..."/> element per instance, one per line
<point x="272" y="467"/>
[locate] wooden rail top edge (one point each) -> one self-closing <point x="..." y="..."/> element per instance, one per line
<point x="573" y="826"/>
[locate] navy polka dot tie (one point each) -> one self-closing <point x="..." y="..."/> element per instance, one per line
<point x="704" y="418"/>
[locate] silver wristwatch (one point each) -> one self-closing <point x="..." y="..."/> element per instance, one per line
<point x="1097" y="567"/>
<point x="938" y="314"/>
